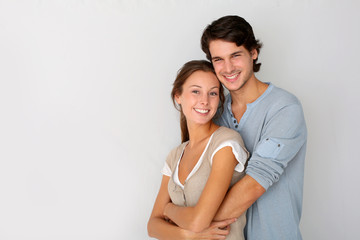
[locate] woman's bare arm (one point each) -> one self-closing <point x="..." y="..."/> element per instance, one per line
<point x="157" y="226"/>
<point x="161" y="229"/>
<point x="200" y="216"/>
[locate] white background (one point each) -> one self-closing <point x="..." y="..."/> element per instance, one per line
<point x="86" y="119"/>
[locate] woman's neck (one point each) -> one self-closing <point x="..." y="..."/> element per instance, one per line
<point x="199" y="133"/>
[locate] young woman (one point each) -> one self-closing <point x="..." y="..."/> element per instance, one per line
<point x="198" y="173"/>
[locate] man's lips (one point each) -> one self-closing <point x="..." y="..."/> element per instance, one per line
<point x="232" y="77"/>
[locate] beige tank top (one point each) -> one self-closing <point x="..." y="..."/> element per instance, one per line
<point x="189" y="194"/>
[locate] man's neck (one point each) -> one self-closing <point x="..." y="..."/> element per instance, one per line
<point x="248" y="93"/>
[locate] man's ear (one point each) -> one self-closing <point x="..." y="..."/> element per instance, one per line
<point x="254" y="54"/>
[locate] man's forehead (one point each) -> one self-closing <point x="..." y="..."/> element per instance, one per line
<point x="220" y="48"/>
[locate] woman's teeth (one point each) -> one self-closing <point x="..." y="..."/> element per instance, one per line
<point x="201" y="110"/>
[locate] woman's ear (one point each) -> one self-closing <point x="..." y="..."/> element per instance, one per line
<point x="177" y="99"/>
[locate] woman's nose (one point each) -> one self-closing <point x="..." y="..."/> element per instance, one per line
<point x="204" y="99"/>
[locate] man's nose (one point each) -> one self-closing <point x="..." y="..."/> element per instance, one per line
<point x="229" y="67"/>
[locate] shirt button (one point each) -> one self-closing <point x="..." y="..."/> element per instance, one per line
<point x="236" y="126"/>
<point x="234" y="121"/>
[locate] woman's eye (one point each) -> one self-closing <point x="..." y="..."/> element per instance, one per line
<point x="213" y="94"/>
<point x="195" y="91"/>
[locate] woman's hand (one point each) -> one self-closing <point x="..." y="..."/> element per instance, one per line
<point x="197" y="218"/>
<point x="167" y="208"/>
<point x="216" y="230"/>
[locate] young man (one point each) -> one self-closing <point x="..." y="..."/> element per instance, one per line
<point x="272" y="125"/>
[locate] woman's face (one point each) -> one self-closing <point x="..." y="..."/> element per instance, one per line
<point x="199" y="99"/>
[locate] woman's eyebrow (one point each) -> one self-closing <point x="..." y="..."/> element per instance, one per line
<point x="201" y="87"/>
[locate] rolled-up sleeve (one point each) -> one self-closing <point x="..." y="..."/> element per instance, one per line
<point x="282" y="136"/>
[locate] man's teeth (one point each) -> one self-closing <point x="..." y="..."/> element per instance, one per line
<point x="232" y="77"/>
<point x="201" y="110"/>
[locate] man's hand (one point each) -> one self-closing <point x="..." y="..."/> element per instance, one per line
<point x="216" y="230"/>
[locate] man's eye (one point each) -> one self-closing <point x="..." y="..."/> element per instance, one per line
<point x="195" y="91"/>
<point x="216" y="59"/>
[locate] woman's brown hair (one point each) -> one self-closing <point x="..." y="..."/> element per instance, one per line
<point x="183" y="74"/>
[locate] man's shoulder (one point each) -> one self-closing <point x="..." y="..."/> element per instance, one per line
<point x="281" y="95"/>
<point x="274" y="99"/>
<point x="285" y="103"/>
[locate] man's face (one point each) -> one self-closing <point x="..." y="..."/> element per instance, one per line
<point x="233" y="64"/>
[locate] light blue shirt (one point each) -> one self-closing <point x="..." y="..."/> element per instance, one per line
<point x="274" y="132"/>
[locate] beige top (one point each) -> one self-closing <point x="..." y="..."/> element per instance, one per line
<point x="189" y="194"/>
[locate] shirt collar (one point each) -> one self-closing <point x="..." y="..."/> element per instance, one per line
<point x="250" y="105"/>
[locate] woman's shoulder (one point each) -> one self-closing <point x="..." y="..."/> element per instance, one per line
<point x="225" y="134"/>
<point x="175" y="154"/>
<point x="226" y="137"/>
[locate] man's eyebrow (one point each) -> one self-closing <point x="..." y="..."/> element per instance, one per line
<point x="234" y="53"/>
<point x="215" y="58"/>
<point x="240" y="51"/>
